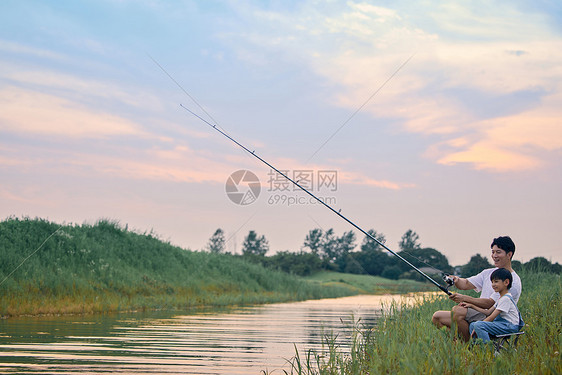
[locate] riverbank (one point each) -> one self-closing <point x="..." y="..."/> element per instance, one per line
<point x="102" y="268"/>
<point x="405" y="341"/>
<point x="367" y="284"/>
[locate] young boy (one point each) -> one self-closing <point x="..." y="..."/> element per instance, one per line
<point x="503" y="317"/>
<point x="503" y="250"/>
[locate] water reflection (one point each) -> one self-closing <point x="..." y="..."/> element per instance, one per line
<point x="241" y="341"/>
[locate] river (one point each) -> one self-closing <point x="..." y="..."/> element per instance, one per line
<point x="244" y="340"/>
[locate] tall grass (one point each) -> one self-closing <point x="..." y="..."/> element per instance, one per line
<point x="104" y="267"/>
<point x="367" y="284"/>
<point x="405" y="341"/>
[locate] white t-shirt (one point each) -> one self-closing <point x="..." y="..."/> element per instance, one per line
<point x="508" y="310"/>
<point x="483" y="285"/>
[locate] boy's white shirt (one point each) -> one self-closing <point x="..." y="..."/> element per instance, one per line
<point x="483" y="285"/>
<point x="507" y="309"/>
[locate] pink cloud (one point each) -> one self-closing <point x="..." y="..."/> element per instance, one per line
<point x="422" y="97"/>
<point x="24" y="111"/>
<point x="508" y="143"/>
<point x="485" y="155"/>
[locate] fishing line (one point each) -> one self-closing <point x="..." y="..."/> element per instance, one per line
<point x="240" y="228"/>
<point x="358" y="109"/>
<point x="185" y="92"/>
<point x="182" y="89"/>
<point x="253" y="153"/>
<point x="30" y="255"/>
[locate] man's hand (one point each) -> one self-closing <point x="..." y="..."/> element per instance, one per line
<point x="462" y="284"/>
<point x="458" y="298"/>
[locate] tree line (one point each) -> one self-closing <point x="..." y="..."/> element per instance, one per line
<point x="325" y="250"/>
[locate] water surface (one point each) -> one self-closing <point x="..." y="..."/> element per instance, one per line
<point x="243" y="340"/>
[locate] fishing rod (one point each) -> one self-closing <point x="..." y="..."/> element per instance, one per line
<point x="296" y="183"/>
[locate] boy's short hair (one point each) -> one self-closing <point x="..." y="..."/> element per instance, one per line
<point x="505" y="243"/>
<point x="502" y="274"/>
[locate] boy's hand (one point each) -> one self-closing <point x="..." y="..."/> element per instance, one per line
<point x="467" y="305"/>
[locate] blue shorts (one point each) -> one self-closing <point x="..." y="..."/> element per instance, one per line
<point x="499" y="326"/>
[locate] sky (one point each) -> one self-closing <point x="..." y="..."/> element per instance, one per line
<point x="440" y="117"/>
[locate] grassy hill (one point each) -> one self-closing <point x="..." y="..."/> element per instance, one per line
<point x="103" y="267"/>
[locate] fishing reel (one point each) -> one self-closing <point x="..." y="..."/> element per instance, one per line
<point x="448" y="280"/>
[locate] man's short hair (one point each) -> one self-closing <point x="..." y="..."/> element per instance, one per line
<point x="505" y="243"/>
<point x="502" y="274"/>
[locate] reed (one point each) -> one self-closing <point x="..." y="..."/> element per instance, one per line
<point x="104" y="267"/>
<point x="404" y="341"/>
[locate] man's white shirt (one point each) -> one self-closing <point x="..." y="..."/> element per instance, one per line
<point x="483" y="284"/>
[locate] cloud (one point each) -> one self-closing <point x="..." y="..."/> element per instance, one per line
<point x="346" y="176"/>
<point x="512" y="142"/>
<point x="360" y="179"/>
<point x="487" y="155"/>
<point x="16" y="48"/>
<point x="176" y="163"/>
<point x="477" y="48"/>
<point x="26" y="111"/>
<point x="128" y="161"/>
<point x="48" y="102"/>
<point x="72" y="86"/>
<point x="24" y="195"/>
<point x="45" y="97"/>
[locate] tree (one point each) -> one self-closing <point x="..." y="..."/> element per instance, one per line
<point x="373" y="262"/>
<point x="335" y="249"/>
<point x="539" y="264"/>
<point x="331" y="249"/>
<point x="302" y="264"/>
<point x="391" y="272"/>
<point x="313" y="241"/>
<point x="217" y="242"/>
<point x="329" y="246"/>
<point x="371" y="257"/>
<point x="475" y="265"/>
<point x="254" y="245"/>
<point x="410" y="241"/>
<point x="516" y="265"/>
<point x="353" y="265"/>
<point x="426" y="257"/>
<point x="345" y="244"/>
<point x="369" y="244"/>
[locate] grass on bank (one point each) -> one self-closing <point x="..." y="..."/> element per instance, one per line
<point x="104" y="267"/>
<point x="405" y="341"/>
<point x="366" y="284"/>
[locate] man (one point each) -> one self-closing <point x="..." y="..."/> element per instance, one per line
<point x="503" y="249"/>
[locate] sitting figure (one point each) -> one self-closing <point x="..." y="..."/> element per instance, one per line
<point x="503" y="250"/>
<point x="502" y="318"/>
